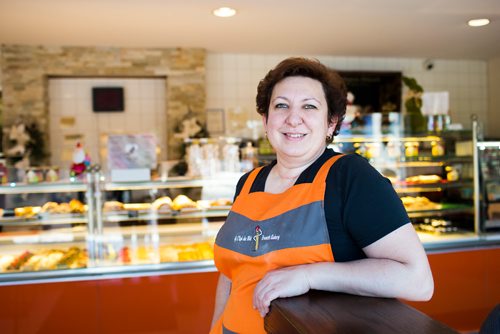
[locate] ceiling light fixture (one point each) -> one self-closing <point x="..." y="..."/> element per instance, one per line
<point x="224" y="12"/>
<point x="478" y="22"/>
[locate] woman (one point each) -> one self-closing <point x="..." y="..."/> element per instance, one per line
<point x="314" y="218"/>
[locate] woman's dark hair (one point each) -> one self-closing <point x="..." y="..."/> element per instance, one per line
<point x="333" y="85"/>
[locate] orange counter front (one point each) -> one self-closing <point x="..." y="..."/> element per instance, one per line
<point x="181" y="303"/>
<point x="466" y="289"/>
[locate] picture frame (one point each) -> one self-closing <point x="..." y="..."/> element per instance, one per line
<point x="216" y="122"/>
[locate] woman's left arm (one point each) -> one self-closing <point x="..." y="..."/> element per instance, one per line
<point x="396" y="266"/>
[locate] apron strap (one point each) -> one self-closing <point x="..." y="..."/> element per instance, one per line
<point x="320" y="177"/>
<point x="248" y="183"/>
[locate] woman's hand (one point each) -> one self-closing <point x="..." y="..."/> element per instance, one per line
<point x="284" y="282"/>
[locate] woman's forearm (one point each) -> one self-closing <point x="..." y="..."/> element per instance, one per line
<point x="396" y="266"/>
<point x="221" y="296"/>
<point x="371" y="277"/>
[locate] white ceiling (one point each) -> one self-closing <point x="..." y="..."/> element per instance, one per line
<point x="385" y="28"/>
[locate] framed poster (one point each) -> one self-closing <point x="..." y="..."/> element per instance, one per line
<point x="132" y="151"/>
<point x="216" y="124"/>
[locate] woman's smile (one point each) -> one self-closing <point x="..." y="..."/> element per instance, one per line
<point x="294" y="136"/>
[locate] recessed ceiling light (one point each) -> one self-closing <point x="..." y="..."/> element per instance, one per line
<point x="478" y="22"/>
<point x="224" y="12"/>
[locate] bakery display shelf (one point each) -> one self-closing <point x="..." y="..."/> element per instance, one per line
<point x="409" y="187"/>
<point x="37" y="240"/>
<point x="383" y="138"/>
<point x="493" y="201"/>
<point x="170" y="182"/>
<point x="43" y="220"/>
<point x="488" y="144"/>
<point x="42" y="187"/>
<point x="421" y="161"/>
<point x="153" y="216"/>
<point x="106" y="272"/>
<point x="403" y="164"/>
<point x="492" y="179"/>
<point x="191" y="230"/>
<point x="442" y="210"/>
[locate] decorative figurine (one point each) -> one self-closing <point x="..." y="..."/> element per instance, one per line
<point x="81" y="161"/>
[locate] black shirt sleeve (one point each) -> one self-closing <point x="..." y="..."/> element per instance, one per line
<point x="361" y="206"/>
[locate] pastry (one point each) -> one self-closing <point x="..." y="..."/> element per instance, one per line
<point x="183" y="202"/>
<point x="136" y="206"/>
<point x="76" y="206"/>
<point x="424" y="179"/>
<point x="112" y="206"/>
<point x="169" y="254"/>
<point x="5" y="261"/>
<point x="419" y="203"/>
<point x="27" y="211"/>
<point x="221" y="202"/>
<point x="73" y="258"/>
<point x="162" y="204"/>
<point x="50" y="207"/>
<point x="63" y="208"/>
<point x="19" y="261"/>
<point x="45" y="260"/>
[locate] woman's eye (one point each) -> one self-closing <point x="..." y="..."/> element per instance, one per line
<point x="280" y="106"/>
<point x="310" y="106"/>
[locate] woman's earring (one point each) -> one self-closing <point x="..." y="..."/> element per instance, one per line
<point x="329" y="138"/>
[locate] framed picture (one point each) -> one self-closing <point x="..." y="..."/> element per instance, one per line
<point x="216" y="124"/>
<point x="132" y="151"/>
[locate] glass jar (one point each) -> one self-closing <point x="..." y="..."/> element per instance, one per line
<point x="411" y="149"/>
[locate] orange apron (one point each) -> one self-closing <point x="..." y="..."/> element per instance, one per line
<point x="263" y="232"/>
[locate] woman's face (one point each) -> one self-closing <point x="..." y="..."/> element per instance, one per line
<point x="297" y="123"/>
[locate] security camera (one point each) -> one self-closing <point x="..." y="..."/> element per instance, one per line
<point x="428" y="64"/>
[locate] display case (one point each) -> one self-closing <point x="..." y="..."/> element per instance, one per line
<point x="432" y="174"/>
<point x="77" y="229"/>
<point x="489" y="177"/>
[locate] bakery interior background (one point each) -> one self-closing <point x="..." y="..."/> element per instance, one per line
<point x="180" y="60"/>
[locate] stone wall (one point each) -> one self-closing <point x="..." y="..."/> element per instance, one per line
<point x="26" y="69"/>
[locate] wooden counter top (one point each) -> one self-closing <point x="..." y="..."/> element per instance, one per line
<point x="337" y="313"/>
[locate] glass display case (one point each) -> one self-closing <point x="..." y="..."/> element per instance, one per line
<point x="77" y="229"/>
<point x="489" y="177"/>
<point x="432" y="174"/>
<point x="44" y="226"/>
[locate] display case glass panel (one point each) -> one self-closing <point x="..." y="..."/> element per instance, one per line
<point x="432" y="174"/>
<point x="489" y="175"/>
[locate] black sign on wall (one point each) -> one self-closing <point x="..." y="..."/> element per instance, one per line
<point x="107" y="99"/>
<point x="375" y="91"/>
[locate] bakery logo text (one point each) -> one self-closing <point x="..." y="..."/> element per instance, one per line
<point x="246" y="238"/>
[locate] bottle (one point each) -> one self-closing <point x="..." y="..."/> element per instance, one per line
<point x="3" y="171"/>
<point x="437" y="149"/>
<point x="248" y="157"/>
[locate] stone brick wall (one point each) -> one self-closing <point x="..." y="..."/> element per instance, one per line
<point x="26" y="69"/>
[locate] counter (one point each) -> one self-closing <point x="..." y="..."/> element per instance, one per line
<point x="137" y="255"/>
<point x="337" y="313"/>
